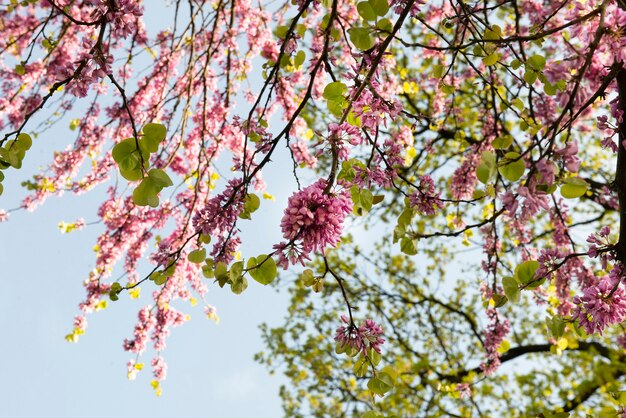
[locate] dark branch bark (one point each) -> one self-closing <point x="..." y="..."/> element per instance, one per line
<point x="516" y="352"/>
<point x="620" y="173"/>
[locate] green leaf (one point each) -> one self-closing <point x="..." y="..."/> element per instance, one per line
<point x="360" y="367"/>
<point x="124" y="154"/>
<point x="281" y="31"/>
<point x="146" y="194"/>
<point x="160" y="178"/>
<point x="499" y="300"/>
<point x="511" y="289"/>
<point x="153" y="135"/>
<point x="536" y="62"/>
<point x="156" y="131"/>
<point x="514" y="169"/>
<point x="366" y="11"/>
<point x="132" y="175"/>
<point x="23" y="142"/>
<point x="262" y="269"/>
<point x="374" y="356"/>
<point x="128" y="159"/>
<point x="515" y="64"/>
<point x="197" y="256"/>
<point x="438" y="71"/>
<point x="158" y="278"/>
<point x="549" y="89"/>
<point x="207" y="271"/>
<point x="221" y="273"/>
<point x="352" y="351"/>
<point x="380" y="7"/>
<point x="335" y="91"/>
<point x="371" y="414"/>
<point x="285" y="61"/>
<point x="367" y="199"/>
<point x="556" y="326"/>
<point x="15" y="159"/>
<point x="318" y="285"/>
<point x="494" y="33"/>
<point x="239" y="286"/>
<point x="301" y="29"/>
<point x="236" y="271"/>
<point x="574" y="187"/>
<point x="363" y="199"/>
<point x="405" y="217"/>
<point x="335" y="107"/>
<point x="408" y="246"/>
<point x="385" y="25"/>
<point x="487" y="168"/>
<point x="361" y="38"/>
<point x="116" y="288"/>
<point x="518" y="103"/>
<point x="251" y="203"/>
<point x="530" y="76"/>
<point x="525" y="272"/>
<point x="380" y="384"/>
<point x="300" y="57"/>
<point x="491" y="59"/>
<point x="502" y="142"/>
<point x="307" y="277"/>
<point x="447" y="88"/>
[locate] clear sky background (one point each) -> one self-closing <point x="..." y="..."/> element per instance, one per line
<point x="211" y="369"/>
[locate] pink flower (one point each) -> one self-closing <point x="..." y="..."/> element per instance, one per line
<point x="464" y="390"/>
<point x="312" y="221"/>
<point x="426" y="200"/>
<point x="494" y="335"/>
<point x="368" y="335"/>
<point x="601" y="305"/>
<point x="159" y="368"/>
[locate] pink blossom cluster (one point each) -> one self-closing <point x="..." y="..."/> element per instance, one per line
<point x="497" y="329"/>
<point x="601" y="305"/>
<point x="312" y="221"/>
<point x="375" y="111"/>
<point x="301" y="154"/>
<point x="146" y="322"/>
<point x="339" y="134"/>
<point x="159" y="368"/>
<point x="218" y="217"/>
<point x="569" y="155"/>
<point x="601" y="246"/>
<point x="426" y="200"/>
<point x="123" y="16"/>
<point x="464" y="177"/>
<point x="362" y="338"/>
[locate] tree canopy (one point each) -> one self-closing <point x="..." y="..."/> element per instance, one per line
<point x="456" y="245"/>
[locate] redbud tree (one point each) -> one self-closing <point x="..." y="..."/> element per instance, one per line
<point x="456" y="245"/>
